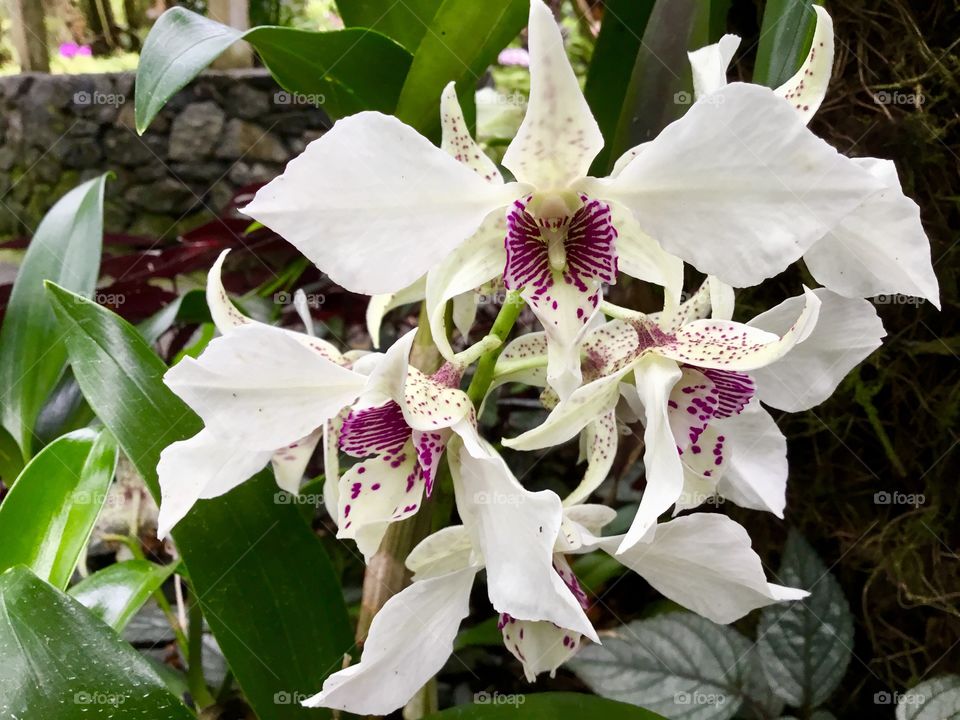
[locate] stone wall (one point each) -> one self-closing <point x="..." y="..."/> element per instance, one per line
<point x="222" y="132"/>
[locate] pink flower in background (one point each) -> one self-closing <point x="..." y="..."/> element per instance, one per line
<point x="69" y="50"/>
<point x="514" y="56"/>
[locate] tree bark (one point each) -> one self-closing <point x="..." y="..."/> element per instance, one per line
<point x="29" y="35"/>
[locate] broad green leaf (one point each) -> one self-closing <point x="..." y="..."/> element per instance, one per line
<point x="405" y="22"/>
<point x="59" y="662"/>
<point x="64" y="411"/>
<point x="66" y="249"/>
<point x="660" y="85"/>
<point x="543" y="706"/>
<point x="461" y="42"/>
<point x="486" y="633"/>
<point x="680" y="665"/>
<point x="785" y="37"/>
<point x="935" y="699"/>
<point x="11" y="459"/>
<point x="608" y="78"/>
<point x="265" y="584"/>
<point x="117" y="592"/>
<point x="806" y="645"/>
<point x="344" y="71"/>
<point x="48" y="516"/>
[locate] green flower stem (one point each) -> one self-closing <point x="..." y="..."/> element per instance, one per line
<point x="483" y="377"/>
<point x="195" y="681"/>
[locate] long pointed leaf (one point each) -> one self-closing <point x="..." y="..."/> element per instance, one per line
<point x="785" y="37"/>
<point x="49" y="514"/>
<point x="117" y="592"/>
<point x="66" y="249"/>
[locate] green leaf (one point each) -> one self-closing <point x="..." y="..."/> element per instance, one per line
<point x="785" y="37"/>
<point x="49" y="514"/>
<point x="464" y="38"/>
<point x="680" y="665"/>
<point x="117" y="592"/>
<point x="189" y="307"/>
<point x="60" y="662"/>
<point x="935" y="699"/>
<point x="351" y="69"/>
<point x="660" y="81"/>
<point x="265" y="584"/>
<point x="485" y="633"/>
<point x="405" y="22"/>
<point x="806" y="645"/>
<point x="608" y="78"/>
<point x="543" y="706"/>
<point x="11" y="459"/>
<point x="66" y="249"/>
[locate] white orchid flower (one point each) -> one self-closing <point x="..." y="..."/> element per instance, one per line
<point x="400" y="428"/>
<point x="509" y="531"/>
<point x="878" y="248"/>
<point x="702" y="561"/>
<point x="213" y="462"/>
<point x="694" y="386"/>
<point x="377" y="207"/>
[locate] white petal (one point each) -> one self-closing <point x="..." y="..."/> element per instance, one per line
<point x="373" y="204"/>
<point x="627" y="158"/>
<point x="601" y="438"/>
<point x="479" y="260"/>
<point x="331" y="464"/>
<point x="442" y="552"/>
<point x="388" y="373"/>
<point x="290" y="463"/>
<point x="639" y="256"/>
<point x="847" y="331"/>
<point x="428" y="405"/>
<point x="558" y="138"/>
<point x="261" y="388"/>
<point x="224" y="313"/>
<point x="728" y="345"/>
<point x="737" y="187"/>
<point x="515" y="531"/>
<point x="523" y="360"/>
<point x="755" y="473"/>
<point x="879" y="248"/>
<point x="704" y="562"/>
<point x="409" y="641"/>
<point x="709" y="65"/>
<point x="722" y="299"/>
<point x="380" y="305"/>
<point x="587" y="403"/>
<point x="376" y="492"/>
<point x="808" y="86"/>
<point x="200" y="467"/>
<point x="457" y="141"/>
<point x="541" y="647"/>
<point x="655" y="378"/>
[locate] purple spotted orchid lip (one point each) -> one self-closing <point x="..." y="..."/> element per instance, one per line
<point x="577" y="249"/>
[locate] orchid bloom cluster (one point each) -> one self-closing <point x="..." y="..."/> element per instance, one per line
<point x="738" y="188"/>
